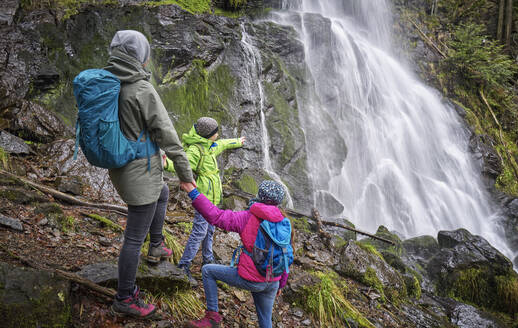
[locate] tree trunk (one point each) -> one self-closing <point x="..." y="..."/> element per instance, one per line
<point x="500" y="26"/>
<point x="508" y="22"/>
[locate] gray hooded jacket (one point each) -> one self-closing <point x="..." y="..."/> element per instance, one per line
<point x="140" y="107"/>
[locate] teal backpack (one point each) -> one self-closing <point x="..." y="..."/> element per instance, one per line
<point x="98" y="129"/>
<point x="272" y="253"/>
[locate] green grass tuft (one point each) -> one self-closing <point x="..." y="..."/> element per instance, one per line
<point x="328" y="305"/>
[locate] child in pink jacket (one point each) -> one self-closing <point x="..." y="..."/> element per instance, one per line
<point x="245" y="276"/>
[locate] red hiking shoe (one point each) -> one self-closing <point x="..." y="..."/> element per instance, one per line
<point x="133" y="306"/>
<point x="211" y="320"/>
<point x="155" y="254"/>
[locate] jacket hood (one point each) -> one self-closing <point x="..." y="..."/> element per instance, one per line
<point x="267" y="212"/>
<point x="192" y="138"/>
<point x="126" y="68"/>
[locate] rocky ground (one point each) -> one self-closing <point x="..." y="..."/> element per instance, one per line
<point x="335" y="280"/>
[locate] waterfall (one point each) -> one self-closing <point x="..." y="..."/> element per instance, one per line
<point x="408" y="166"/>
<point x="253" y="82"/>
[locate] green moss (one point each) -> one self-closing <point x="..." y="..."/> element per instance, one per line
<point x="4" y="159"/>
<point x="248" y="184"/>
<point x="66" y="223"/>
<point x="301" y="224"/>
<point x="227" y="13"/>
<point x="186" y="226"/>
<point x="327" y="304"/>
<point x="413" y="286"/>
<point x="67" y="8"/>
<point x="106" y="222"/>
<point x="202" y="93"/>
<point x="368" y="247"/>
<point x="479" y="286"/>
<point x="507" y="291"/>
<point x="48" y="208"/>
<point x="370" y="279"/>
<point x="192" y="6"/>
<point x="43" y="311"/>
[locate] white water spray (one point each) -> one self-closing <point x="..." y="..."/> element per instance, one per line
<point x="408" y="165"/>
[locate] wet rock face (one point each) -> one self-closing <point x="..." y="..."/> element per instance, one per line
<point x="31" y="298"/>
<point x="184" y="46"/>
<point x="482" y="148"/>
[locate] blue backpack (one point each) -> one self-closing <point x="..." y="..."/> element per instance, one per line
<point x="272" y="253"/>
<point x="98" y="129"/>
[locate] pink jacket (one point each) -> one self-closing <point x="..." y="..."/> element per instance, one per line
<point x="246" y="223"/>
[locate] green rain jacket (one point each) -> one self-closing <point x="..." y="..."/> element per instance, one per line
<point x="207" y="179"/>
<point x="140" y="107"/>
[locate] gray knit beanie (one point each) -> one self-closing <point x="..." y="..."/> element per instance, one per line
<point x="132" y="43"/>
<point x="206" y="127"/>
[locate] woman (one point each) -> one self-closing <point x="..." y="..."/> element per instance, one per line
<point x="140" y="183"/>
<point x="246" y="275"/>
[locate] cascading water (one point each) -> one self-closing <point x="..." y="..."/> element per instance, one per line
<point x="408" y="166"/>
<point x="254" y="81"/>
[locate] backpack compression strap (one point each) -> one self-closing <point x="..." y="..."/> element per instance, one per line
<point x="78" y="129"/>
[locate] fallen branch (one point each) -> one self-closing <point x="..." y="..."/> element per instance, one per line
<point x="338" y="225"/>
<point x="318" y="220"/>
<point x="427" y="40"/>
<point x="63" y="196"/>
<point x="109" y="292"/>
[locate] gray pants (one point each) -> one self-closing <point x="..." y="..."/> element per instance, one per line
<point x="141" y="220"/>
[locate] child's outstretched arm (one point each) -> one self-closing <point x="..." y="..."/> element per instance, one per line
<point x="224" y="144"/>
<point x="225" y="219"/>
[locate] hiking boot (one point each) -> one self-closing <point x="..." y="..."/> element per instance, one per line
<point x="211" y="320"/>
<point x="132" y="306"/>
<point x="186" y="269"/>
<point x="155" y="254"/>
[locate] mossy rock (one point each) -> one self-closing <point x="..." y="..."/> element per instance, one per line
<point x="48" y="208"/>
<point x="247" y="184"/>
<point x="413" y="286"/>
<point x="21" y="196"/>
<point x="235" y="203"/>
<point x="422" y="246"/>
<point x="31" y="298"/>
<point x="479" y="286"/>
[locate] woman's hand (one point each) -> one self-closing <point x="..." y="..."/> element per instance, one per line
<point x="187" y="186"/>
<point x="242" y="139"/>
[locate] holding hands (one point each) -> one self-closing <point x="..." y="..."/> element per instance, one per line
<point x="187" y="186"/>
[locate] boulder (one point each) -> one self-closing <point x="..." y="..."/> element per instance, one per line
<point x="95" y="180"/>
<point x="20" y="195"/>
<point x="468" y="316"/>
<point x="12" y="144"/>
<point x="33" y="298"/>
<point x="327" y="204"/>
<point x="461" y="248"/>
<point x="423" y="247"/>
<point x="11" y="223"/>
<point x="369" y="268"/>
<point x="34" y="123"/>
<point x="163" y="277"/>
<point x="8" y="10"/>
<point x="470" y="269"/>
<point x="70" y="184"/>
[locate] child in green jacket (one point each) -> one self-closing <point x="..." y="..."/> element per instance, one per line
<point x="202" y="150"/>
